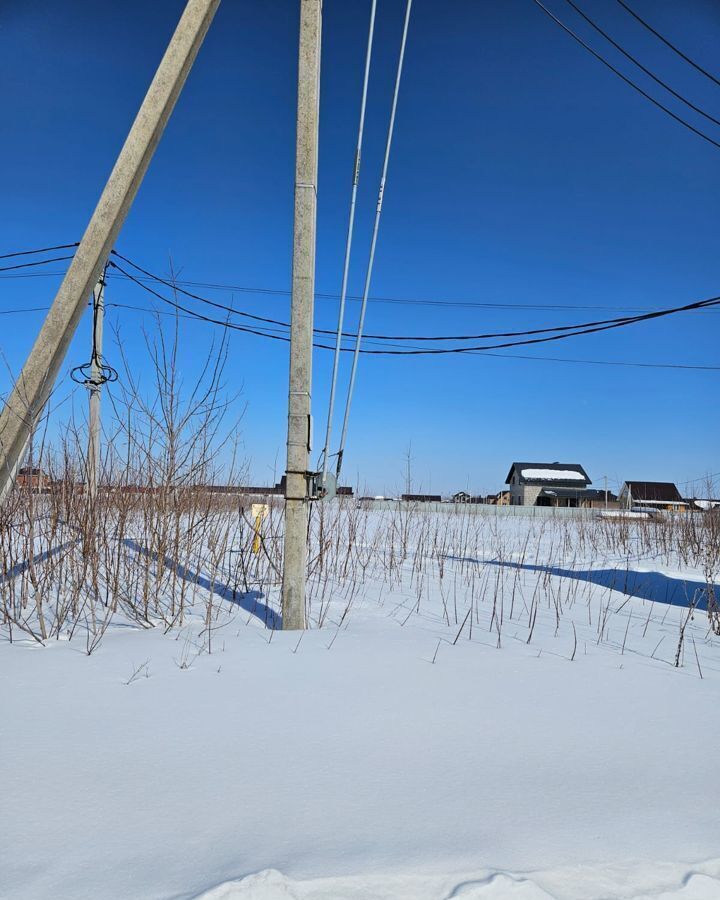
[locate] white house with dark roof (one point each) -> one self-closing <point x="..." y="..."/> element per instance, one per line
<point x="547" y="484"/>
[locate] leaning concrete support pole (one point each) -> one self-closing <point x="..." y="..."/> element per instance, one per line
<point x="31" y="391"/>
<point x="301" y="321"/>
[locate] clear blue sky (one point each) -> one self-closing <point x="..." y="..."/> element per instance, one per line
<point x="523" y="172"/>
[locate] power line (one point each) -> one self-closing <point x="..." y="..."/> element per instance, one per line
<point x="27" y="309"/>
<point x="436" y="351"/>
<point x="669" y="44"/>
<point x="570" y="330"/>
<point x="643" y="68"/>
<point x="601" y="362"/>
<point x="710" y="303"/>
<point x="558" y="359"/>
<point x="406" y="301"/>
<point x="174" y="286"/>
<point x="624" y="77"/>
<point x="543" y="340"/>
<point x="694" y="481"/>
<point x="40" y="262"/>
<point x="196" y="315"/>
<point x="39" y="250"/>
<point x="373" y="243"/>
<point x="348" y="245"/>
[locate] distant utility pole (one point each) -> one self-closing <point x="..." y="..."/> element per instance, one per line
<point x="606" y="500"/>
<point x="95" y="387"/>
<point x="301" y="320"/>
<point x="32" y="389"/>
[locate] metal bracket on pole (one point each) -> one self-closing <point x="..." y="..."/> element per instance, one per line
<point x="323" y="486"/>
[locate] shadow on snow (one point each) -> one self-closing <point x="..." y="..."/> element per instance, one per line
<point x="249" y="601"/>
<point x="646" y="585"/>
<point x="23" y="566"/>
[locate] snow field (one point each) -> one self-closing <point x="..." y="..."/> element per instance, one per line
<point x="465" y="723"/>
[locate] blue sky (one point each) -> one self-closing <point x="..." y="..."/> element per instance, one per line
<point x="523" y="173"/>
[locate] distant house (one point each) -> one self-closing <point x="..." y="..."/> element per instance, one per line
<point x="502" y="498"/>
<point x="421" y="498"/>
<point x="706" y="504"/>
<point x="656" y="494"/>
<point x="547" y="484"/>
<point x="33" y="478"/>
<point x="464" y="497"/>
<point x="599" y="499"/>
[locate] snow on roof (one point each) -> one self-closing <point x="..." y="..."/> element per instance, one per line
<point x="552" y="474"/>
<point x="548" y="471"/>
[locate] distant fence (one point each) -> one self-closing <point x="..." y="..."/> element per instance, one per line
<point x="481" y="509"/>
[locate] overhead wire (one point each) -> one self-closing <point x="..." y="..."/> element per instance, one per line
<point x="95" y="372"/>
<point x="323" y="465"/>
<point x="373" y="243"/>
<point x="350" y="335"/>
<point x="600" y="362"/>
<point x="585" y="328"/>
<point x="39" y="262"/>
<point x="405" y="301"/>
<point x="193" y="296"/>
<point x="596" y="362"/>
<point x="642" y="67"/>
<point x="624" y="77"/>
<point x="27" y="309"/>
<point x="556" y="337"/>
<point x="39" y="250"/>
<point x="667" y="43"/>
<point x="572" y="329"/>
<point x="183" y="312"/>
<point x="196" y="315"/>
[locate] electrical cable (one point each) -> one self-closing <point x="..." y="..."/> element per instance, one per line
<point x="407" y="301"/>
<point x="380" y="337"/>
<point x="600" y="362"/>
<point x="195" y="315"/>
<point x="586" y="328"/>
<point x="95" y="373"/>
<point x="373" y="243"/>
<point x="174" y="286"/>
<point x="557" y="337"/>
<point x="40" y="262"/>
<point x="668" y="44"/>
<point x="27" y="309"/>
<point x="191" y="315"/>
<point x="581" y="327"/>
<point x="624" y="77"/>
<point x="560" y="359"/>
<point x="323" y="464"/>
<point x="640" y="66"/>
<point x="40" y="250"/>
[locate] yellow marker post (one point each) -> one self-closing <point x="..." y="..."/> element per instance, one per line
<point x="259" y="511"/>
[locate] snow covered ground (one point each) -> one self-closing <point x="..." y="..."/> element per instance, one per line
<point x="467" y="722"/>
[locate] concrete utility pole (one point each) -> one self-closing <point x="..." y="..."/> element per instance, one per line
<point x="32" y="389"/>
<point x="95" y="387"/>
<point x="301" y="321"/>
